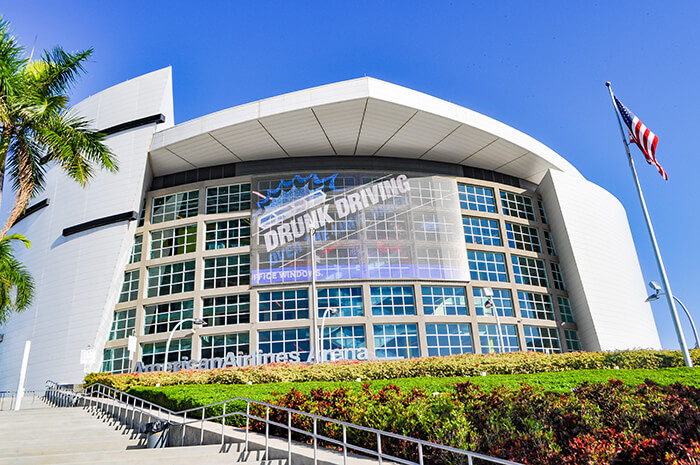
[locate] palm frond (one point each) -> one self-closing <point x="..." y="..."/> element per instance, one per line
<point x="16" y="284"/>
<point x="77" y="148"/>
<point x="61" y="70"/>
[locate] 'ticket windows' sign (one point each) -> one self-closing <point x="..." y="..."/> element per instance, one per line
<point x="365" y="227"/>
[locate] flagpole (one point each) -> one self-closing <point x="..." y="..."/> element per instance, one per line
<point x="652" y="236"/>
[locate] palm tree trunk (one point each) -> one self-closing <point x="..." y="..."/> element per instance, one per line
<point x="25" y="191"/>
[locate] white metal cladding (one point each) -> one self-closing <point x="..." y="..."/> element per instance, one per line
<point x="599" y="263"/>
<point x="78" y="277"/>
<point x="358" y="117"/>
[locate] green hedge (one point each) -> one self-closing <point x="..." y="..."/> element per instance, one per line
<point x="439" y="367"/>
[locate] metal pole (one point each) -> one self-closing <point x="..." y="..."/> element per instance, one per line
<point x="312" y="300"/>
<point x="692" y="323"/>
<point x="170" y="338"/>
<point x="22" y="375"/>
<point x="498" y="327"/>
<point x="652" y="236"/>
<point x="323" y="325"/>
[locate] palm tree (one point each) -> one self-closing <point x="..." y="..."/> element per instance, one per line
<point x="16" y="284"/>
<point x="37" y="127"/>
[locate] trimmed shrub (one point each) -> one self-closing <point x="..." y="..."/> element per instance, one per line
<point x="440" y="367"/>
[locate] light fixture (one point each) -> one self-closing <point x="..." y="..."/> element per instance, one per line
<point x="195" y="321"/>
<point x="657" y="293"/>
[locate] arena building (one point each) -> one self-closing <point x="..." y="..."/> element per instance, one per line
<point x="430" y="229"/>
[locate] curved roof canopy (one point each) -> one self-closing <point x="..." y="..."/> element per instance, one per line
<point x="362" y="116"/>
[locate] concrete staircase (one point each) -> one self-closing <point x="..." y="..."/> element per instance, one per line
<point x="73" y="435"/>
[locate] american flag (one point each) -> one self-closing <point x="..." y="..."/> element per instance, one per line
<point x="642" y="136"/>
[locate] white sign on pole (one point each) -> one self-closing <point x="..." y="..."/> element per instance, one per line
<point x="131" y="345"/>
<point x="87" y="359"/>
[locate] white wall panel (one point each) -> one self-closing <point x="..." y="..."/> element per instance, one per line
<point x="78" y="277"/>
<point x="599" y="263"/>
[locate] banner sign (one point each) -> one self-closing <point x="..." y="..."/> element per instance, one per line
<point x="365" y="227"/>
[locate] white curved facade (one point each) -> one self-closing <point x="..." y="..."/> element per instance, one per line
<point x="358" y="129"/>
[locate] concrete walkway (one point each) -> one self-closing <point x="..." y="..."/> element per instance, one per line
<point x="75" y="436"/>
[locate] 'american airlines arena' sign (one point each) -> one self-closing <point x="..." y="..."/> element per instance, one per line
<point x="365" y="227"/>
<point x="233" y="360"/>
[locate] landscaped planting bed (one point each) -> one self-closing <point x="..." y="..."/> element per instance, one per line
<point x="573" y="417"/>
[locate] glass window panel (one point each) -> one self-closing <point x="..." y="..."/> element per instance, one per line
<point x="290" y="340"/>
<point x="501" y="300"/>
<point x="396" y="341"/>
<point x="517" y="205"/>
<point x="115" y="360"/>
<point x="534" y="305"/>
<point x="395" y="300"/>
<point x="230" y="271"/>
<point x="123" y="324"/>
<point x="488" y="337"/>
<point x="162" y="318"/>
<point x="481" y="231"/>
<point x="346" y="300"/>
<point x="444" y="301"/>
<point x="290" y="305"/>
<point x="130" y="286"/>
<point x="172" y="278"/>
<point x="226" y="310"/>
<point x="565" y="311"/>
<point x="136" y="249"/>
<point x="173" y="241"/>
<point x="549" y="242"/>
<point x="487" y="266"/>
<point x="175" y="206"/>
<point x="453" y="339"/>
<point x="227" y="234"/>
<point x="219" y="346"/>
<point x="529" y="271"/>
<point x="476" y="198"/>
<point x="523" y="237"/>
<point x="572" y="342"/>
<point x="154" y="352"/>
<point x="557" y="277"/>
<point x="541" y="339"/>
<point x="227" y="199"/>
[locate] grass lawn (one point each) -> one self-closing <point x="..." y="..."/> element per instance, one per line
<point x="185" y="396"/>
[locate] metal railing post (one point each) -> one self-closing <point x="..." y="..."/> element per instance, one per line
<point x="315" y="441"/>
<point x="420" y="453"/>
<point x="247" y="423"/>
<point x="379" y="448"/>
<point x="267" y="432"/>
<point x="345" y="445"/>
<point x="201" y="428"/>
<point x="289" y="436"/>
<point x="223" y="418"/>
<point x="141" y="416"/>
<point x="184" y="420"/>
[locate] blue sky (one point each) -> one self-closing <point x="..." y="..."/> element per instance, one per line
<point x="537" y="66"/>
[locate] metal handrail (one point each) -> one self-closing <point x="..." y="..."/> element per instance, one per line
<point x="9" y="398"/>
<point x="148" y="408"/>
